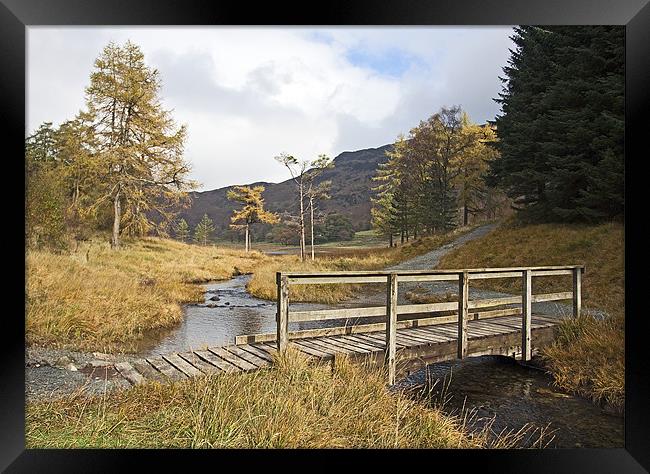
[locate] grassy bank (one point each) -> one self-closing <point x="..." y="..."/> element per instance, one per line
<point x="588" y="356"/>
<point x="292" y="405"/>
<point x="100" y="299"/>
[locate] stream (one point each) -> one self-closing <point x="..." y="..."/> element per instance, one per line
<point x="489" y="387"/>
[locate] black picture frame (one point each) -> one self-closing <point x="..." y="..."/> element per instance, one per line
<point x="16" y="15"/>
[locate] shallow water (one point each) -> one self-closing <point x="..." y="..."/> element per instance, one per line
<point x="513" y="394"/>
<point x="228" y="311"/>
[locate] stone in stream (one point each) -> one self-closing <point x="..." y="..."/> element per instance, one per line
<point x="214" y="298"/>
<point x="71" y="367"/>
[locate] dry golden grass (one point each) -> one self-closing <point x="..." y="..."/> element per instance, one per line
<point x="109" y="300"/>
<point x="294" y="405"/>
<point x="588" y="358"/>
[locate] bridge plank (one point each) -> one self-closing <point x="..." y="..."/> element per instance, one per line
<point x="233" y="359"/>
<point x="193" y="359"/>
<point x="129" y="373"/>
<point x="147" y="370"/>
<point x="379" y="345"/>
<point x="382" y="338"/>
<point x="415" y="338"/>
<point x="252" y="358"/>
<point x="181" y="364"/>
<point x="166" y="368"/>
<point x="359" y="343"/>
<point x="217" y="362"/>
<point x="346" y="346"/>
<point x="430" y="334"/>
<point x="257" y="351"/>
<point x="335" y="348"/>
<point x="307" y="345"/>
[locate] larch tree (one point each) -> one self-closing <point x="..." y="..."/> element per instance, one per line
<point x="252" y="211"/>
<point x="473" y="193"/>
<point x="144" y="174"/>
<point x="203" y="230"/>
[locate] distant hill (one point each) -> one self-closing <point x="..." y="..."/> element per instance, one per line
<point x="350" y="191"/>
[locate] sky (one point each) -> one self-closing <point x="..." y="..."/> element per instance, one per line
<point x="249" y="94"/>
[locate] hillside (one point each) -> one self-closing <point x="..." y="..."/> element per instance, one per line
<point x="351" y="189"/>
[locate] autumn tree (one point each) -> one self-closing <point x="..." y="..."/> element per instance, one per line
<point x="45" y="203"/>
<point x="141" y="149"/>
<point x="474" y="195"/>
<point x="252" y="211"/>
<point x="203" y="230"/>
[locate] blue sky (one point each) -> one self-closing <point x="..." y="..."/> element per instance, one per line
<point x="248" y="94"/>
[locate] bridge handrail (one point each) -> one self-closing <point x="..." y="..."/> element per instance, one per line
<point x="391" y="309"/>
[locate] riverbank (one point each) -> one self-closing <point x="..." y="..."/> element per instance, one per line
<point x="99" y="299"/>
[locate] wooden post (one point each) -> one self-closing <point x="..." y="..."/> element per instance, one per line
<point x="463" y="313"/>
<point x="391" y="326"/>
<point x="282" y="316"/>
<point x="526" y="310"/>
<point x="577" y="292"/>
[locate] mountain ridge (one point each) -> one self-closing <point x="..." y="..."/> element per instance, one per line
<point x="350" y="192"/>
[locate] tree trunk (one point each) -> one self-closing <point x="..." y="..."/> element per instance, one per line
<point x="302" y="225"/>
<point x="247" y="237"/>
<point x="117" y="216"/>
<point x="311" y="209"/>
<point x="390" y="240"/>
<point x="465" y="215"/>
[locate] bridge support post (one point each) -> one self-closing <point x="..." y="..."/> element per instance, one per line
<point x="577" y="291"/>
<point x="391" y="327"/>
<point x="526" y="311"/>
<point x="463" y="313"/>
<point x="282" y="315"/>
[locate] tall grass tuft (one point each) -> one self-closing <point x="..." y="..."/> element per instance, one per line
<point x="293" y="405"/>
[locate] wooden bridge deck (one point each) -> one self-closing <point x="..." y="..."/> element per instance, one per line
<point x="416" y="347"/>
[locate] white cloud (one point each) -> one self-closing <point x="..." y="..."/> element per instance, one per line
<point x="248" y="94"/>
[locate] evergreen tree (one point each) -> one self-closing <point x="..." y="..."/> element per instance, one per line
<point x="203" y="230"/>
<point x="253" y="210"/>
<point x="561" y="128"/>
<point x="182" y="230"/>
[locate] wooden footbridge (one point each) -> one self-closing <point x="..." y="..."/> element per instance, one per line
<point x="409" y="337"/>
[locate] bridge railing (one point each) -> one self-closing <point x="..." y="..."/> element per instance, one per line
<point x="464" y="308"/>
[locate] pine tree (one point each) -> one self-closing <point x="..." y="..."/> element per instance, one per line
<point x="203" y="230"/>
<point x="561" y="128"/>
<point x="144" y="172"/>
<point x="253" y="210"/>
<point x="182" y="230"/>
